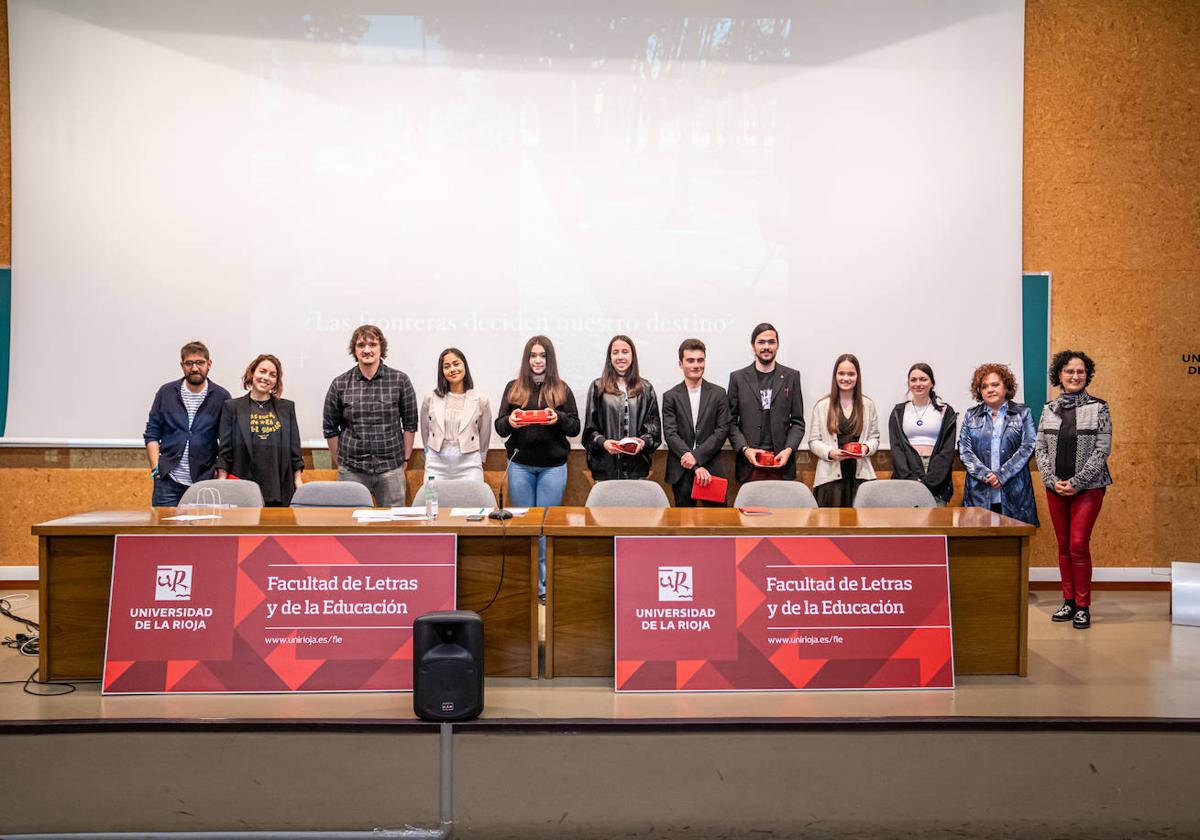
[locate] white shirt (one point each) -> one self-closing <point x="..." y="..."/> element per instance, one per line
<point x="694" y="399"/>
<point x="925" y="434"/>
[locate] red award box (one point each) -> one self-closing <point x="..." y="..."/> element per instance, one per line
<point x="538" y="417"/>
<point x="765" y="460"/>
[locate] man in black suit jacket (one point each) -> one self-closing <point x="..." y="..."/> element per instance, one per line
<point x="767" y="411"/>
<point x="695" y="425"/>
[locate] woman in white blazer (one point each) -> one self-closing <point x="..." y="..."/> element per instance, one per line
<point x="843" y="435"/>
<point x="456" y="422"/>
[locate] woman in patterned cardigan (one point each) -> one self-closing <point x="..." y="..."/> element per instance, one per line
<point x="1073" y="442"/>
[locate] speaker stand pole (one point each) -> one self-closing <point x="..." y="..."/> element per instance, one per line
<point x="446" y="788"/>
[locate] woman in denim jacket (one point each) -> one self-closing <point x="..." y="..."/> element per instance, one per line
<point x="995" y="443"/>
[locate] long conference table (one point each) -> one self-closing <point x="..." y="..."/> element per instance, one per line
<point x="75" y="556"/>
<point x="988" y="555"/>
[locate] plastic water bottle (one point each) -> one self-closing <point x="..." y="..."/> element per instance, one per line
<point x="431" y="501"/>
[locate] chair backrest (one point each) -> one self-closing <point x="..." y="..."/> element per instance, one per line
<point x="459" y="492"/>
<point x="332" y="494"/>
<point x="775" y="494"/>
<point x="238" y="493"/>
<point x="893" y="493"/>
<point x="635" y="492"/>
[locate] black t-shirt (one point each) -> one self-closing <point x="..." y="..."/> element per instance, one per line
<point x="268" y="451"/>
<point x="766" y="398"/>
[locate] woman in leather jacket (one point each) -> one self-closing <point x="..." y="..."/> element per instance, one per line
<point x="621" y="406"/>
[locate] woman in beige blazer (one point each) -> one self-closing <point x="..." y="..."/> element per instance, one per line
<point x="843" y="435"/>
<point x="456" y="422"/>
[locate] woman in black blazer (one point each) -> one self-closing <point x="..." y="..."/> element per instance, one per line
<point x="922" y="431"/>
<point x="259" y="436"/>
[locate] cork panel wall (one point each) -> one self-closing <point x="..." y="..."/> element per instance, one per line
<point x="1112" y="209"/>
<point x="35" y="493"/>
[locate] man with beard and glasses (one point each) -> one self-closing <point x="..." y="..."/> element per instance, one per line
<point x="181" y="431"/>
<point x="768" y="412"/>
<point x="370" y="420"/>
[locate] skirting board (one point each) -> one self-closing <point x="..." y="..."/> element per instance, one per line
<point x="1108" y="574"/>
<point x="1038" y="574"/>
<point x="18" y="573"/>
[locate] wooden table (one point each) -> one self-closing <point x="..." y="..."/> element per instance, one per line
<point x="75" y="557"/>
<point x="989" y="573"/>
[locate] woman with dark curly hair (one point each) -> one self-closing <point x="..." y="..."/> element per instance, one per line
<point x="1073" y="443"/>
<point x="995" y="443"/>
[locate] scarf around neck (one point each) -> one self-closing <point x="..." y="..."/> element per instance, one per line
<point x="1073" y="400"/>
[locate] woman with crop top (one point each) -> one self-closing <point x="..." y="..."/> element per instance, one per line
<point x="922" y="431"/>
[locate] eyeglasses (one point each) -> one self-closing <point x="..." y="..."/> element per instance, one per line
<point x="195" y="363"/>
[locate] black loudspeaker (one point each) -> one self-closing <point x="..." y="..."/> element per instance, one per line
<point x="448" y="666"/>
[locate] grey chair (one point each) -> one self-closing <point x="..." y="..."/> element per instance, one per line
<point x="636" y="492"/>
<point x="236" y="493"/>
<point x="332" y="494"/>
<point x="459" y="492"/>
<point x="775" y="494"/>
<point x="893" y="493"/>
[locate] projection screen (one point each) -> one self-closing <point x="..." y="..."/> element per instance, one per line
<point x="266" y="176"/>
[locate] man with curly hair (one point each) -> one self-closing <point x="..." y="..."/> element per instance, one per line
<point x="370" y="419"/>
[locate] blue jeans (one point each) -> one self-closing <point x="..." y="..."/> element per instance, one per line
<point x="537" y="487"/>
<point x="167" y="492"/>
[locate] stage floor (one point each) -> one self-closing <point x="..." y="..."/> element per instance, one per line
<point x="1131" y="665"/>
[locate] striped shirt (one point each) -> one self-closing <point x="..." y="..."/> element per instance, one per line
<point x="183" y="471"/>
<point x="369" y="418"/>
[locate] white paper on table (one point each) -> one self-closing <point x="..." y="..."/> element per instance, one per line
<point x="480" y="511"/>
<point x="190" y="517"/>
<point x="389" y="515"/>
<point x="518" y="511"/>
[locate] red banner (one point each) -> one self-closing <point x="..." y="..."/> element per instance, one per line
<point x="780" y="613"/>
<point x="303" y="612"/>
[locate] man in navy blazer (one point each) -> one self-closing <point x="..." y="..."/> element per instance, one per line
<point x="181" y="431"/>
<point x="695" y="425"/>
<point x="767" y="411"/>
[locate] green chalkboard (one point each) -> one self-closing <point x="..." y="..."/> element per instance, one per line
<point x="1035" y="340"/>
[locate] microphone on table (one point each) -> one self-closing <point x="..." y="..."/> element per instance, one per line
<point x="502" y="512"/>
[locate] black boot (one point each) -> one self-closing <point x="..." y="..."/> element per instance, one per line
<point x="1064" y="613"/>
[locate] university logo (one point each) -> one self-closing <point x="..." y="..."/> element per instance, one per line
<point x="173" y="583"/>
<point x="674" y="583"/>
